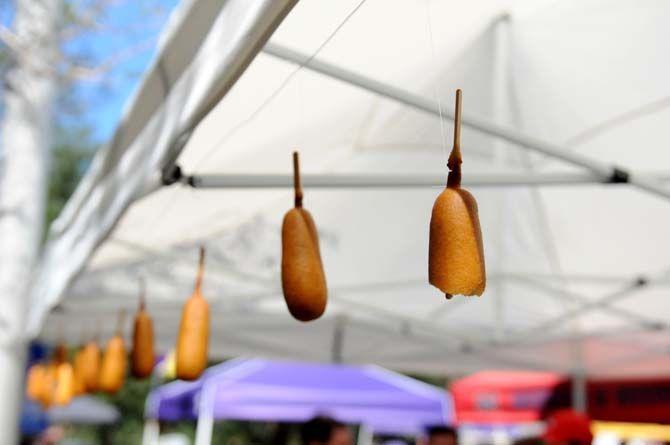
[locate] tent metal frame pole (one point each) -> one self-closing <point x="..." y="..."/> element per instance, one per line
<point x="365" y="435"/>
<point x="438" y="338"/>
<point x="335" y="181"/>
<point x="419" y="328"/>
<point x="579" y="388"/>
<point x="337" y="347"/>
<point x="607" y="300"/>
<point x="150" y="432"/>
<point x="541" y="331"/>
<point x="627" y="359"/>
<point x="205" y="421"/>
<point x="606" y="173"/>
<point x="613" y="333"/>
<point x="623" y="314"/>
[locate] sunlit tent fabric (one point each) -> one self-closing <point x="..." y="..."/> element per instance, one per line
<point x="264" y="390"/>
<point x="577" y="267"/>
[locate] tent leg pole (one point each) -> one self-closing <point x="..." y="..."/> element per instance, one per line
<point x="12" y="367"/>
<point x="203" y="431"/>
<point x="501" y="93"/>
<point x="579" y="402"/>
<point x="151" y="432"/>
<point x="205" y="425"/>
<point x="609" y="173"/>
<point x="364" y="435"/>
<point x="338" y="340"/>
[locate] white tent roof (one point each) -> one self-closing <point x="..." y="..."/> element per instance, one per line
<point x="576" y="272"/>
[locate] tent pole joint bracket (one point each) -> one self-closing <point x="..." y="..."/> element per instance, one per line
<point x="641" y="281"/>
<point x="173" y="174"/>
<point x="658" y="326"/>
<point x="619" y="176"/>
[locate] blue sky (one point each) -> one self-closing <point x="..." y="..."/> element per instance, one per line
<point x="127" y="27"/>
<point x="130" y="28"/>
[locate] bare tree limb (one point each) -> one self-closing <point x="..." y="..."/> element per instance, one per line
<point x="10" y="40"/>
<point x="94" y="74"/>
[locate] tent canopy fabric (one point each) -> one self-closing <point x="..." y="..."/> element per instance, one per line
<point x="489" y="380"/>
<point x="577" y="273"/>
<point x="266" y="390"/>
<point x="507" y="397"/>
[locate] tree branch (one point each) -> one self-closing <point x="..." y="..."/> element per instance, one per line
<point x="93" y="74"/>
<point x="10" y="40"/>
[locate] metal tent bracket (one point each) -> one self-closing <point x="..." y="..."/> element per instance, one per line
<point x="173" y="174"/>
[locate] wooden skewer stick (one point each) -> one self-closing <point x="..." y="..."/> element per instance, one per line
<point x="201" y="270"/>
<point x="142" y="294"/>
<point x="296" y="180"/>
<point x="455" y="159"/>
<point x="120" y="322"/>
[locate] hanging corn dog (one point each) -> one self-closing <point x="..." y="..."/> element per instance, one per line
<point x="303" y="278"/>
<point x="456" y="254"/>
<point x="49" y="386"/>
<point x="91" y="364"/>
<point x="78" y="366"/>
<point x="60" y="352"/>
<point x="193" y="339"/>
<point x="142" y="356"/>
<point x="36" y="382"/>
<point x="114" y="361"/>
<point x="64" y="390"/>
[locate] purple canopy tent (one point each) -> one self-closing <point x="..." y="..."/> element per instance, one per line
<point x="265" y="390"/>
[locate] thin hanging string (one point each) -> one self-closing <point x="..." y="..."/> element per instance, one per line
<point x="159" y="220"/>
<point x="276" y="92"/>
<point x="300" y="86"/>
<point x="299" y="115"/>
<point x="445" y="150"/>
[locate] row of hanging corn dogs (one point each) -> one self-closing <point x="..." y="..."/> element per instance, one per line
<point x="91" y="370"/>
<point x="456" y="266"/>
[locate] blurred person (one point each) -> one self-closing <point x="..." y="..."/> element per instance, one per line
<point x="52" y="435"/>
<point x="568" y="427"/>
<point x="529" y="441"/>
<point x="325" y="431"/>
<point x="280" y="434"/>
<point x="441" y="435"/>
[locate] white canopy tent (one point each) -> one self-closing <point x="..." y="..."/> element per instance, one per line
<point x="555" y="94"/>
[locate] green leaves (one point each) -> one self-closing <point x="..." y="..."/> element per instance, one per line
<point x="68" y="164"/>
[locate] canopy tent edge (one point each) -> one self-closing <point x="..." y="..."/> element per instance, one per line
<point x="254" y="297"/>
<point x="237" y="34"/>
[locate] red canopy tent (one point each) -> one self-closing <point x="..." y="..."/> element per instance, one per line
<point x="507" y="397"/>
